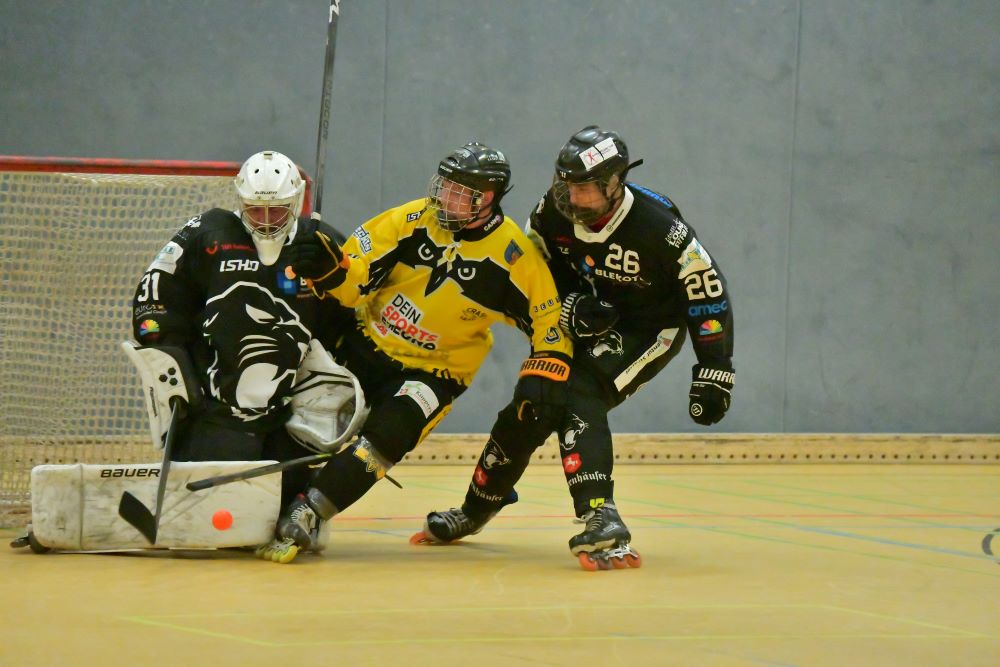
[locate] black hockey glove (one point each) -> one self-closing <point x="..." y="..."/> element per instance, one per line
<point x="711" y="391"/>
<point x="541" y="391"/>
<point x="584" y="315"/>
<point x="317" y="258"/>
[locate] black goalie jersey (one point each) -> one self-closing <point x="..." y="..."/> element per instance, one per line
<point x="647" y="262"/>
<point x="245" y="324"/>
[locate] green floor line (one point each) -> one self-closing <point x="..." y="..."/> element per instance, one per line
<point x="795" y="503"/>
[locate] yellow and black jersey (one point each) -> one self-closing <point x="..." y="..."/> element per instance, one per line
<point x="427" y="297"/>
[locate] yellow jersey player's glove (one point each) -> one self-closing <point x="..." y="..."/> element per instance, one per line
<point x="542" y="388"/>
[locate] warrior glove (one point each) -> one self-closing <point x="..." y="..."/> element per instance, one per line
<point x="317" y="258"/>
<point x="585" y="316"/>
<point x="541" y="391"/>
<point x="711" y="392"/>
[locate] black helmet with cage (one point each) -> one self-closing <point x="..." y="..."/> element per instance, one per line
<point x="592" y="155"/>
<point x="456" y="191"/>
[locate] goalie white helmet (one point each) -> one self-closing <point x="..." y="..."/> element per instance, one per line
<point x="271" y="193"/>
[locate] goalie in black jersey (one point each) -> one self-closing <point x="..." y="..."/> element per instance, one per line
<point x="634" y="281"/>
<point x="218" y="293"/>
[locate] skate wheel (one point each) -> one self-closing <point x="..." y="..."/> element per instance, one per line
<point x="619" y="563"/>
<point x="420" y="538"/>
<point x="633" y="559"/>
<point x="588" y="563"/>
<point x="36" y="546"/>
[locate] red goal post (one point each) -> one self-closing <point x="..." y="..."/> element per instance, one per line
<point x="76" y="234"/>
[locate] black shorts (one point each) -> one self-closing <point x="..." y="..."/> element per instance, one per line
<point x="405" y="403"/>
<point x="618" y="363"/>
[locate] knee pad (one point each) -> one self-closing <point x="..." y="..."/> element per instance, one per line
<point x="516" y="437"/>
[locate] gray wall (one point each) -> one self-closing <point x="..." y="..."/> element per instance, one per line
<point x="839" y="158"/>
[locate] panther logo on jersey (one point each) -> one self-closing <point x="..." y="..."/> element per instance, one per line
<point x="258" y="343"/>
<point x="577" y="426"/>
<point x="494" y="455"/>
<point x="610" y="343"/>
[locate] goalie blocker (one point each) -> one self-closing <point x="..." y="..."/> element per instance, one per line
<point x="166" y="373"/>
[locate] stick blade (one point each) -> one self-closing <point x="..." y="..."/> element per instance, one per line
<point x="138" y="515"/>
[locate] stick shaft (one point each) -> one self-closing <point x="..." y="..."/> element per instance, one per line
<point x="168" y="450"/>
<point x="324" y="110"/>
<point x="208" y="482"/>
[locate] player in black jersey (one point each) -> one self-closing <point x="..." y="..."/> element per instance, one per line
<point x="218" y="291"/>
<point x="634" y="280"/>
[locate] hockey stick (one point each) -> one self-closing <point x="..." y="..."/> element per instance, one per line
<point x="324" y="110"/>
<point x="131" y="508"/>
<point x="209" y="482"/>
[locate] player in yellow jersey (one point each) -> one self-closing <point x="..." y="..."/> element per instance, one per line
<point x="427" y="280"/>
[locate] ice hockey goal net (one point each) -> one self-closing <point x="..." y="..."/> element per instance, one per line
<point x="75" y="236"/>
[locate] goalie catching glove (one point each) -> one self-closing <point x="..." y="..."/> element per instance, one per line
<point x="711" y="392"/>
<point x="541" y="391"/>
<point x="585" y="316"/>
<point x="317" y="258"/>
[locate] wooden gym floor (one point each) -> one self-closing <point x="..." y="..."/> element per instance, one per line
<point x="742" y="565"/>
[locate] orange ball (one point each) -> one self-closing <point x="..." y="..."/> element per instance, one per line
<point x="222" y="520"/>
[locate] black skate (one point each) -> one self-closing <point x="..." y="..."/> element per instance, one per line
<point x="29" y="540"/>
<point x="604" y="543"/>
<point x="454" y="524"/>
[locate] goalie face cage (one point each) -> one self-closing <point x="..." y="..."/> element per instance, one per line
<point x="75" y="237"/>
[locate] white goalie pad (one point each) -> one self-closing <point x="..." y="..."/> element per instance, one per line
<point x="328" y="404"/>
<point x="75" y="507"/>
<point x="164" y="377"/>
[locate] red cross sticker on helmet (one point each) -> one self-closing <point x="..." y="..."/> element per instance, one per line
<point x="599" y="153"/>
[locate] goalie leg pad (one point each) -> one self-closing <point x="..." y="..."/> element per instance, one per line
<point x="75" y="507"/>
